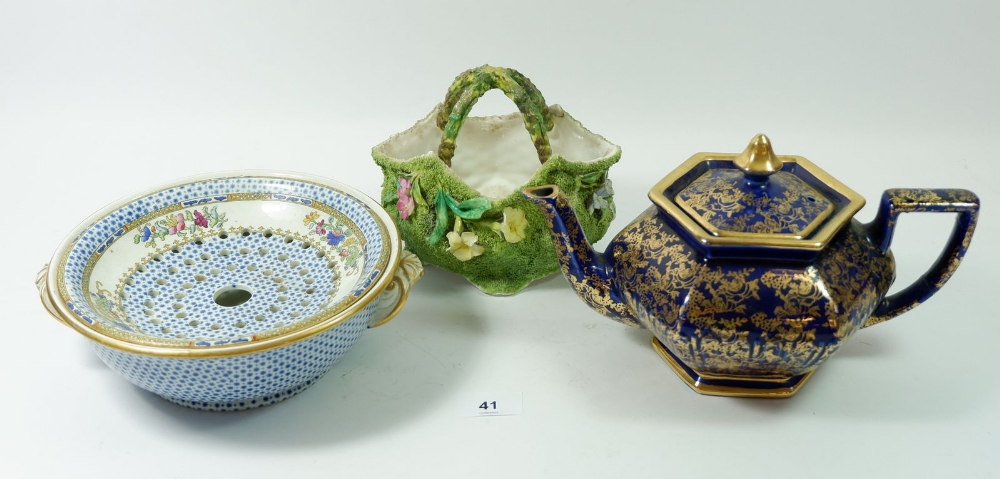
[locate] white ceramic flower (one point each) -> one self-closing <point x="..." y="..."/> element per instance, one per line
<point x="514" y="225"/>
<point x="463" y="245"/>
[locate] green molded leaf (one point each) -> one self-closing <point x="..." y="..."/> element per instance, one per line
<point x="593" y="178"/>
<point x="389" y="196"/>
<point x="471" y="209"/>
<point x="188" y="216"/>
<point x="441" y="207"/>
<point x="418" y="196"/>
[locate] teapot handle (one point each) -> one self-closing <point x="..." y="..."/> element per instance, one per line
<point x="911" y="200"/>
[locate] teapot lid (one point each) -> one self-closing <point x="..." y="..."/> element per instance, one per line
<point x="780" y="207"/>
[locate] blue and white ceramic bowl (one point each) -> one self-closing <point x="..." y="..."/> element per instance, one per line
<point x="230" y="291"/>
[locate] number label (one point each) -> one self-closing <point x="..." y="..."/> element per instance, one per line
<point x="482" y="404"/>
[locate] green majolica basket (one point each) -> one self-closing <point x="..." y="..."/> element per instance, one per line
<point x="462" y="209"/>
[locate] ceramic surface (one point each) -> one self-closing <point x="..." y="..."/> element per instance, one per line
<point x="458" y="203"/>
<point x="754" y="315"/>
<point x="230" y="291"/>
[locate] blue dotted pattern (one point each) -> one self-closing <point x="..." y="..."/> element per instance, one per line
<point x="240" y="382"/>
<point x="100" y="235"/>
<point x="175" y="297"/>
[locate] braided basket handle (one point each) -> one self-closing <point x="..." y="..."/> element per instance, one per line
<point x="471" y="85"/>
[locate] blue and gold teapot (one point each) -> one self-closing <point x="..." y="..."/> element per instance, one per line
<point x="750" y="270"/>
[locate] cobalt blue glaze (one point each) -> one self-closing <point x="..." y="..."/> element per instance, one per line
<point x="756" y="316"/>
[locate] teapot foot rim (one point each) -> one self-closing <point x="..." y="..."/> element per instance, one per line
<point x="731" y="386"/>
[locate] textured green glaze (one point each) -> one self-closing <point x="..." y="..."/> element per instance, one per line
<point x="506" y="268"/>
<point x="503" y="267"/>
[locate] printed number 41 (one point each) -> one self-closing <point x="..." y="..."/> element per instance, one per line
<point x="486" y="406"/>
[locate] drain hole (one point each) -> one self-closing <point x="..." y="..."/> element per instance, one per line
<point x="306" y="245"/>
<point x="214" y="271"/>
<point x="181" y="315"/>
<point x="282" y="288"/>
<point x="274" y="309"/>
<point x="206" y="256"/>
<point x="309" y="281"/>
<point x="172" y="270"/>
<point x="230" y="267"/>
<point x="278" y="280"/>
<point x="289" y="239"/>
<point x="282" y="298"/>
<point x="245" y="233"/>
<point x="224" y="252"/>
<point x="303" y="271"/>
<point x="194" y="322"/>
<point x="199" y="241"/>
<point x="267" y="272"/>
<point x="153" y="293"/>
<point x="189" y="262"/>
<point x="320" y="253"/>
<point x="268" y="233"/>
<point x="223" y="235"/>
<point x="175" y="249"/>
<point x="141" y="268"/>
<point x="251" y="267"/>
<point x="295" y="314"/>
<point x="186" y="286"/>
<point x="147" y="303"/>
<point x="310" y="290"/>
<point x="262" y="252"/>
<point x="259" y="317"/>
<point x="244" y="250"/>
<point x="240" y="324"/>
<point x="161" y="281"/>
<point x="157" y="257"/>
<point x="200" y="277"/>
<point x="216" y="326"/>
<point x="130" y="282"/>
<point x="179" y="296"/>
<point x="305" y="303"/>
<point x="282" y="257"/>
<point x="230" y="296"/>
<point x="293" y="263"/>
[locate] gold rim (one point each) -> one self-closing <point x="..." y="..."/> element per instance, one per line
<point x="818" y="240"/>
<point x="384" y="279"/>
<point x="728" y="391"/>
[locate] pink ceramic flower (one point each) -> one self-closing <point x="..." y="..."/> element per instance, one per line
<point x="319" y="227"/>
<point x="405" y="205"/>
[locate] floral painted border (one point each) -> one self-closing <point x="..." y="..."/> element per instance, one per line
<point x="179" y="224"/>
<point x="338" y="235"/>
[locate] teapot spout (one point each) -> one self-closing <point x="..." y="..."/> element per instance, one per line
<point x="585" y="268"/>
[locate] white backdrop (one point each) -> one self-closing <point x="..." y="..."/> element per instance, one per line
<point x="103" y="99"/>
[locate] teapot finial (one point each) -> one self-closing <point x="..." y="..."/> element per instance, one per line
<point x="758" y="159"/>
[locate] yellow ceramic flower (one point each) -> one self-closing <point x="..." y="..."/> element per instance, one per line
<point x="514" y="225"/>
<point x="464" y="246"/>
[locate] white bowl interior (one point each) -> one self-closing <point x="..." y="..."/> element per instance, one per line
<point x="223" y="261"/>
